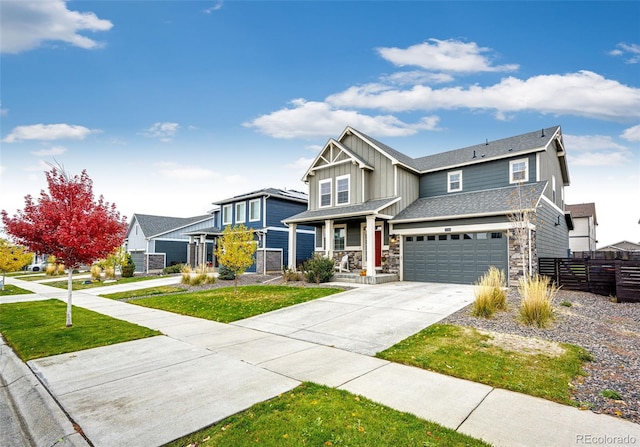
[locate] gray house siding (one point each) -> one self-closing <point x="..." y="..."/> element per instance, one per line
<point x="552" y="241"/>
<point x="478" y="177"/>
<point x="549" y="168"/>
<point x="380" y="180"/>
<point x="408" y="190"/>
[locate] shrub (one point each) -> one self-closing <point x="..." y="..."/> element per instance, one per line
<point x="611" y="394"/>
<point x="290" y="275"/>
<point x="185" y="270"/>
<point x="226" y="273"/>
<point x="96" y="272"/>
<point x="490" y="293"/>
<point x="128" y="266"/>
<point x="537" y="296"/>
<point x="176" y="268"/>
<point x="110" y="273"/>
<point x="318" y="269"/>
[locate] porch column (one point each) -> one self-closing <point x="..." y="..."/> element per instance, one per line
<point x="292" y="246"/>
<point x="371" y="245"/>
<point x="328" y="238"/>
<point x="191" y="252"/>
<point x="203" y="250"/>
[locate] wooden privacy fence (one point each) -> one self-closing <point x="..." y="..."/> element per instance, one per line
<point x="619" y="278"/>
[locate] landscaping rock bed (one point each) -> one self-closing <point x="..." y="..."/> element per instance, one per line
<point x="609" y="331"/>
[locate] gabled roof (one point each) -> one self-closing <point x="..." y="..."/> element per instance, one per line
<point x="155" y="225"/>
<point x="362" y="209"/>
<point x="621" y="246"/>
<point x="342" y="154"/>
<point x="286" y="194"/>
<point x="582" y="210"/>
<point x="489" y="150"/>
<point x="491" y="202"/>
<point x="395" y="156"/>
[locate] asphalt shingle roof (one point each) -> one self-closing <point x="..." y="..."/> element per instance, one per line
<point x="288" y="194"/>
<point x="369" y="207"/>
<point x="582" y="210"/>
<point x="477" y="203"/>
<point x="154" y="225"/>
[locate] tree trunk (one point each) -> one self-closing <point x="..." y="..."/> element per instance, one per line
<point x="69" y="289"/>
<point x="4" y="279"/>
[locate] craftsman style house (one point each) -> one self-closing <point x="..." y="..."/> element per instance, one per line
<point x="262" y="211"/>
<point x="446" y="217"/>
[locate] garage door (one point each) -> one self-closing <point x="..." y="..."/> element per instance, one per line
<point x="453" y="258"/>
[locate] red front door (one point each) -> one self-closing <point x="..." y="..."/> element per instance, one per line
<point x="378" y="248"/>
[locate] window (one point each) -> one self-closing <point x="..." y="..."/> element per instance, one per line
<point x="442" y="237"/>
<point x="254" y="210"/>
<point x="241" y="212"/>
<point x="419" y="238"/>
<point x="431" y="238"/>
<point x="519" y="171"/>
<point x="342" y="189"/>
<point x="455" y="237"/>
<point x="454" y="181"/>
<point x="226" y="215"/>
<point x="339" y="236"/>
<point x="409" y="238"/>
<point x="468" y="236"/>
<point x="496" y="235"/>
<point x="325" y="193"/>
<point x="553" y="188"/>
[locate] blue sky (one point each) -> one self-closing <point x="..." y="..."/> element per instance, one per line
<point x="172" y="105"/>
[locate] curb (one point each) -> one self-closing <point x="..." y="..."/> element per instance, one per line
<point x="29" y="416"/>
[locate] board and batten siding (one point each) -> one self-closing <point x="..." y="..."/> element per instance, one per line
<point x="331" y="172"/>
<point x="549" y="167"/>
<point x="477" y="177"/>
<point x="552" y="241"/>
<point x="408" y="190"/>
<point x="380" y="181"/>
<point x="136" y="241"/>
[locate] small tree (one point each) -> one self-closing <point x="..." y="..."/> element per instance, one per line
<point x="235" y="250"/>
<point x="12" y="258"/>
<point x="68" y="223"/>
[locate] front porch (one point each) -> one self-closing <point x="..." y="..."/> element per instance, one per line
<point x="356" y="278"/>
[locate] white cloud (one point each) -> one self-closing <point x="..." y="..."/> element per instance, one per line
<point x="49" y="152"/>
<point x="586" y="143"/>
<point x="215" y="7"/>
<point x="164" y="131"/>
<point x="311" y="119"/>
<point x="632" y="133"/>
<point x="595" y="150"/>
<point x="48" y="132"/>
<point x="583" y="93"/>
<point x="26" y="25"/>
<point x="444" y="55"/>
<point x="630" y="51"/>
<point x="235" y="179"/>
<point x="176" y="171"/>
<point x="416" y="77"/>
<point x="301" y="164"/>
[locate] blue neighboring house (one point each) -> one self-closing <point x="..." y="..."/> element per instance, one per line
<point x="263" y="211"/>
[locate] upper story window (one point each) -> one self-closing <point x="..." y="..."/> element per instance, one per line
<point x="342" y="190"/>
<point x="519" y="171"/>
<point x="227" y="217"/>
<point x="254" y="210"/>
<point x="454" y="181"/>
<point x="241" y="212"/>
<point x="325" y="193"/>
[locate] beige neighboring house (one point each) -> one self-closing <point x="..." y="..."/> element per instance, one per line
<point x="621" y="246"/>
<point x="583" y="235"/>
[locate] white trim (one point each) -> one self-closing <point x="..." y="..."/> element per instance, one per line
<point x="333" y="240"/>
<point x="499" y="226"/>
<point x="320" y="183"/>
<point x="342" y="177"/>
<point x="287" y="229"/>
<point x="241" y="215"/>
<point x="449" y="175"/>
<point x="259" y="202"/>
<point x="526" y="170"/>
<point x="228" y="206"/>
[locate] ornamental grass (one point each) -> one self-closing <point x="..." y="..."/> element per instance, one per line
<point x="490" y="293"/>
<point x="536" y="305"/>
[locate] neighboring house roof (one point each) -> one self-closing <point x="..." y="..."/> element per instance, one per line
<point x="156" y="225"/>
<point x="213" y="231"/>
<point x="286" y="194"/>
<point x="491" y="202"/>
<point x="369" y="207"/>
<point x="621" y="246"/>
<point x="582" y="210"/>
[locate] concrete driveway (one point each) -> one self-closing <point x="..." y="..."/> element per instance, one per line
<point x="366" y="320"/>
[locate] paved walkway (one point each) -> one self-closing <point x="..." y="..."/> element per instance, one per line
<point x="200" y="372"/>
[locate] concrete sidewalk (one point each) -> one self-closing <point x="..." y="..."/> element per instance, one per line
<point x="200" y="372"/>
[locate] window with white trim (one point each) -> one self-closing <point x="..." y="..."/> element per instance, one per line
<point x="454" y="181"/>
<point x="254" y="210"/>
<point x="227" y="217"/>
<point x="339" y="237"/>
<point x="519" y="170"/>
<point x="241" y="212"/>
<point x="342" y="190"/>
<point x="325" y="193"/>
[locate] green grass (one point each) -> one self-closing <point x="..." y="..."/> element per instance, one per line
<point x="466" y="353"/>
<point x="315" y="415"/>
<point x="32" y="276"/>
<point x="37" y="329"/>
<point x="10" y="289"/>
<point x="150" y="291"/>
<point x="79" y="284"/>
<point x="225" y="306"/>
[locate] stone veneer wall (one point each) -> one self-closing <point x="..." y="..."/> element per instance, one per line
<point x="515" y="259"/>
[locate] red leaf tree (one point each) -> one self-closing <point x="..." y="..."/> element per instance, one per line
<point x="68" y="223"/>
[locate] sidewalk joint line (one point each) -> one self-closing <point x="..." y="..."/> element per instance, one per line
<point x="474" y="409"/>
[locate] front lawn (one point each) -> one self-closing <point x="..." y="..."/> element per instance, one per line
<point x="225" y="306"/>
<point x="37" y="329"/>
<point x="150" y="291"/>
<point x="513" y="364"/>
<point x="10" y="289"/>
<point x="315" y="415"/>
<point x="81" y="284"/>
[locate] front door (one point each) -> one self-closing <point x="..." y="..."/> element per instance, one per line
<point x="378" y="247"/>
